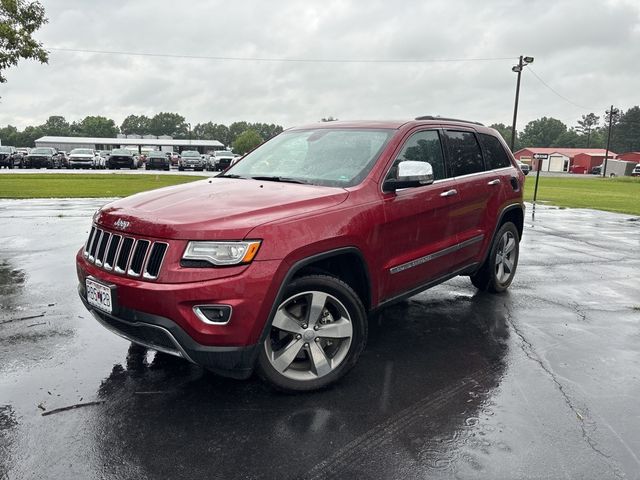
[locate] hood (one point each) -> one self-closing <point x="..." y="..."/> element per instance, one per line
<point x="215" y="209"/>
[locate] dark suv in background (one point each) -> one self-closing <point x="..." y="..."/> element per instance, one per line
<point x="276" y="264"/>
<point x="8" y="156"/>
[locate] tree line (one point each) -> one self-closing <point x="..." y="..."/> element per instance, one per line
<point x="163" y="123"/>
<point x="590" y="131"/>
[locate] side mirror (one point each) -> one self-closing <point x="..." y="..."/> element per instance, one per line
<point x="410" y="174"/>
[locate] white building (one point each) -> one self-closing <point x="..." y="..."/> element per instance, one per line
<point x="163" y="143"/>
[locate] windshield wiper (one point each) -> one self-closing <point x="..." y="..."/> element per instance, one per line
<point x="280" y="179"/>
<point x="229" y="175"/>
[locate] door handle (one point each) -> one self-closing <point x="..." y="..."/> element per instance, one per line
<point x="494" y="182"/>
<point x="449" y="193"/>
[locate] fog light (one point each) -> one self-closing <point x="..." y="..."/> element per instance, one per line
<point x="213" y="314"/>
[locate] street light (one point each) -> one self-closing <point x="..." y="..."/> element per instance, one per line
<point x="518" y="69"/>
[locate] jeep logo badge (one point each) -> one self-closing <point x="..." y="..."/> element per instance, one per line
<point x="121" y="224"/>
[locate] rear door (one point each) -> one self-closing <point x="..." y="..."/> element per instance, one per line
<point x="419" y="235"/>
<point x="477" y="187"/>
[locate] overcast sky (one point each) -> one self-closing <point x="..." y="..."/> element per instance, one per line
<point x="586" y="50"/>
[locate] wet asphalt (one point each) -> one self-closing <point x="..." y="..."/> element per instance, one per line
<point x="541" y="382"/>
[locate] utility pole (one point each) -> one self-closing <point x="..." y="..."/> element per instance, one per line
<point x="606" y="154"/>
<point x="522" y="62"/>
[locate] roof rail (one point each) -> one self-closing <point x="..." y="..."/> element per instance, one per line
<point x="431" y="117"/>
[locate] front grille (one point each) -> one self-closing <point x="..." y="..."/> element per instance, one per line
<point x="130" y="256"/>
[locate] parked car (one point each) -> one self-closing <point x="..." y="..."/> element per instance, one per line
<point x="275" y="264"/>
<point x="597" y="170"/>
<point x="191" y="159"/>
<point x="42" y="157"/>
<point x="83" y="158"/>
<point x="636" y="171"/>
<point x="220" y="160"/>
<point x="122" y="158"/>
<point x="63" y="159"/>
<point x="524" y="167"/>
<point x="158" y="161"/>
<point x="8" y="156"/>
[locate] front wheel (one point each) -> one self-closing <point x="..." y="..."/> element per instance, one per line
<point x="317" y="335"/>
<point x="497" y="272"/>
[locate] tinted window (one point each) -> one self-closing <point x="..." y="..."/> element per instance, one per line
<point x="494" y="154"/>
<point x="422" y="147"/>
<point x="464" y="152"/>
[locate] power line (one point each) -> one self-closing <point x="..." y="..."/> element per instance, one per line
<point x="559" y="94"/>
<point x="277" y="59"/>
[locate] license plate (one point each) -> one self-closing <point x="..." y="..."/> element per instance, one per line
<point x="99" y="296"/>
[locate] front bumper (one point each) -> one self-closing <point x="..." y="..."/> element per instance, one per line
<point x="161" y="315"/>
<point x="161" y="334"/>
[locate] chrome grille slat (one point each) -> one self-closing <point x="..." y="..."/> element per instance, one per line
<point x="112" y="251"/>
<point x="138" y="258"/>
<point x="94" y="245"/>
<point x="134" y="257"/>
<point x="102" y="248"/>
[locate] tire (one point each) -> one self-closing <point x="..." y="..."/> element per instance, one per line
<point x="489" y="277"/>
<point x="299" y="334"/>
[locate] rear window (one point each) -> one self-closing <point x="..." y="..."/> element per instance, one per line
<point x="494" y="154"/>
<point x="464" y="152"/>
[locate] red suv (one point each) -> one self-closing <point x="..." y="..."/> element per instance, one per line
<point x="275" y="264"/>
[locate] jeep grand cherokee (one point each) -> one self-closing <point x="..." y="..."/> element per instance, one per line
<point x="275" y="264"/>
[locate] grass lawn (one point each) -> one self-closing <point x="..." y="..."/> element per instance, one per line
<point x="620" y="194"/>
<point x="60" y="185"/>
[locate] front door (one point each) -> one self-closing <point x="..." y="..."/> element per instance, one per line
<point x="419" y="236"/>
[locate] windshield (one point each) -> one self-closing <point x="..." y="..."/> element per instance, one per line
<point x="42" y="151"/>
<point x="224" y="153"/>
<point x="120" y="151"/>
<point x="5" y="150"/>
<point x="190" y="153"/>
<point x="328" y="157"/>
<point x="157" y="155"/>
<point x="81" y="151"/>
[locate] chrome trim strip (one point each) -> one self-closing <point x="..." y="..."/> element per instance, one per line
<point x="204" y="319"/>
<point x="427" y="258"/>
<point x="145" y="274"/>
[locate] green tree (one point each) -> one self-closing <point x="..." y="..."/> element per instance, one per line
<point x="235" y="129"/>
<point x="18" y="22"/>
<point x="266" y="130"/>
<point x="28" y="137"/>
<point x="587" y="126"/>
<point x="166" y="123"/>
<point x="95" y="126"/>
<point x="503" y="130"/>
<point x="9" y="135"/>
<point x="627" y="132"/>
<point x="136" y="124"/>
<point x="56" y="125"/>
<point x="246" y="141"/>
<point x="569" y="139"/>
<point x="542" y="132"/>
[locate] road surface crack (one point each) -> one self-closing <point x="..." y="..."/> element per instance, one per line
<point x="529" y="351"/>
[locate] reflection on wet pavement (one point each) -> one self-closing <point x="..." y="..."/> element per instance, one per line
<point x="538" y="383"/>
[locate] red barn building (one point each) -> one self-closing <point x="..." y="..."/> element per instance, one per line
<point x="564" y="159"/>
<point x="630" y="157"/>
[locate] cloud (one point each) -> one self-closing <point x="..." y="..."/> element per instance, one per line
<point x="584" y="50"/>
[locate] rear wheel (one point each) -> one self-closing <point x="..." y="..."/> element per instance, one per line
<point x="316" y="336"/>
<point x="497" y="272"/>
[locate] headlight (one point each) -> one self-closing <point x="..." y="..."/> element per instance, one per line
<point x="222" y="253"/>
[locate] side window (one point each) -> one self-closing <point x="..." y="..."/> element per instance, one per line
<point x="422" y="147"/>
<point x="494" y="153"/>
<point x="464" y="153"/>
